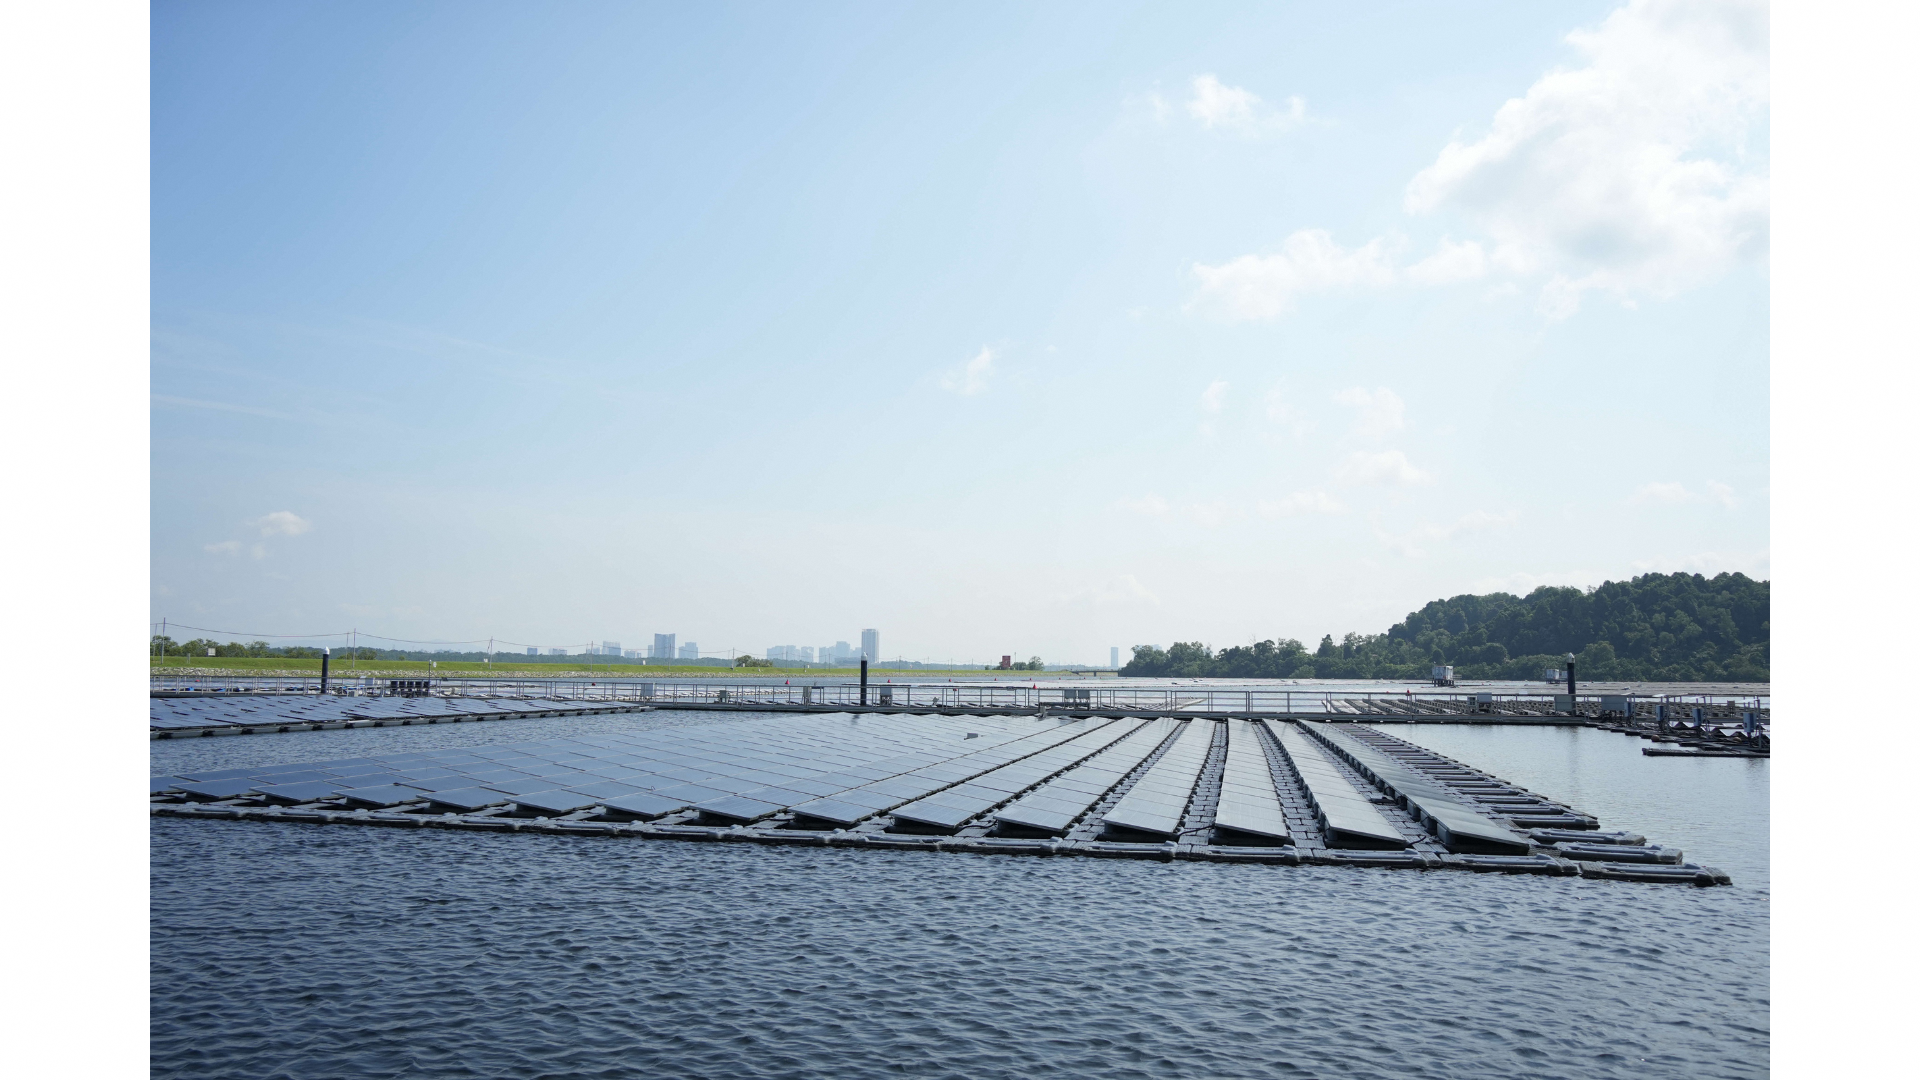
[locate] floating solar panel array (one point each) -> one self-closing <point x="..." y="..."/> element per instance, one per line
<point x="1270" y="791"/>
<point x="284" y="712"/>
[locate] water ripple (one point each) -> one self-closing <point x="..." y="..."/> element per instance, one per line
<point x="312" y="952"/>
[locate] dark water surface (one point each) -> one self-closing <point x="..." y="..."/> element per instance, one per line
<point x="329" y="951"/>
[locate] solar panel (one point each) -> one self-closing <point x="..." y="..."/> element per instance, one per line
<point x="1054" y="807"/>
<point x="1248" y="804"/>
<point x="1459" y="826"/>
<point x="440" y="783"/>
<point x="607" y="789"/>
<point x="293" y="776"/>
<point x="381" y="796"/>
<point x="549" y="803"/>
<point x="466" y="800"/>
<point x="1057" y="750"/>
<point x="1158" y="800"/>
<point x="219" y="774"/>
<point x="225" y="788"/>
<point x="521" y="786"/>
<point x="303" y="791"/>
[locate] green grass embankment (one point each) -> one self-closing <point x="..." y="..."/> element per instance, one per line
<point x="283" y="667"/>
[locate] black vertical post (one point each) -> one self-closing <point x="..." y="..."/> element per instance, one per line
<point x="1571" y="688"/>
<point x="324" y="654"/>
<point x="863" y="680"/>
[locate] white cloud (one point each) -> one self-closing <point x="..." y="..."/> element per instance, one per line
<point x="972" y="377"/>
<point x="1217" y="105"/>
<point x="1301" y="502"/>
<point x="1639" y="173"/>
<point x="1449" y="263"/>
<point x="1755" y="564"/>
<point x="281" y="523"/>
<point x="1212" y="515"/>
<point x="224" y="547"/>
<point x="1661" y="492"/>
<point x="1123" y="590"/>
<point x="1411" y="543"/>
<point x="1264" y="286"/>
<point x="1521" y="583"/>
<point x="1147" y="505"/>
<point x="1631" y="174"/>
<point x="1214" y="397"/>
<point x="1280" y="410"/>
<point x="1381" y="410"/>
<point x="1387" y="467"/>
<point x="1674" y="493"/>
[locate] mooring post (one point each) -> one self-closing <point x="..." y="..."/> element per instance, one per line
<point x="1573" y="703"/>
<point x="324" y="654"/>
<point x="863" y="680"/>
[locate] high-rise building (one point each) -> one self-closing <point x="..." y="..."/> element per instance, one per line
<point x="806" y="653"/>
<point x="690" y="651"/>
<point x="663" y="646"/>
<point x="1114" y="661"/>
<point x="783" y="652"/>
<point x="870" y="645"/>
<point x="533" y="650"/>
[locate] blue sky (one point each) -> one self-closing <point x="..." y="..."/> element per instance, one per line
<point x="1001" y="328"/>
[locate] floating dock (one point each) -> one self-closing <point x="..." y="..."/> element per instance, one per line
<point x="252" y="706"/>
<point x="1152" y="787"/>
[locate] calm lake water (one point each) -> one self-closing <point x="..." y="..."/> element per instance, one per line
<point x="325" y="952"/>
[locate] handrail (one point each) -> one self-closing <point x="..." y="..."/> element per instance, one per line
<point x="1229" y="700"/>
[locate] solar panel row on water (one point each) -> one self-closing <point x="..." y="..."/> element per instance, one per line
<point x="256" y="710"/>
<point x="1158" y="801"/>
<point x="645" y="774"/>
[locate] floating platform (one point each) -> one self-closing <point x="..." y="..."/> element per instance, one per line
<point x="1270" y="791"/>
<point x="249" y="714"/>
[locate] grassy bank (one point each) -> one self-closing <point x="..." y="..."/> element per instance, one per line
<point x="275" y="666"/>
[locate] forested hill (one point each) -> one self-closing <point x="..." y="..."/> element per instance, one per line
<point x="1657" y="627"/>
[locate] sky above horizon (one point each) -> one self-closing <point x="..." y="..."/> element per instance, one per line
<point x="1030" y="329"/>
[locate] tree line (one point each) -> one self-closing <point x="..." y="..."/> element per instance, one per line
<point x="164" y="645"/>
<point x="1653" y="628"/>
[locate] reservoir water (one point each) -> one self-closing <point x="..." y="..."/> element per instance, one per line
<point x="310" y="951"/>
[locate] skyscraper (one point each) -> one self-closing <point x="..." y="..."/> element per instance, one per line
<point x="870" y="645"/>
<point x="690" y="651"/>
<point x="663" y="646"/>
<point x="1114" y="662"/>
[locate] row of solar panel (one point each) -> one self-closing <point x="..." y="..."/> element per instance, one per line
<point x="179" y="713"/>
<point x="1053" y="807"/>
<point x="825" y="754"/>
<point x="836" y="770"/>
<point x="1159" y="799"/>
<point x="1348" y="818"/>
<point x="1458" y="824"/>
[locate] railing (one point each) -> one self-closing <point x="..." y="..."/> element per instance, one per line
<point x="954" y="696"/>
